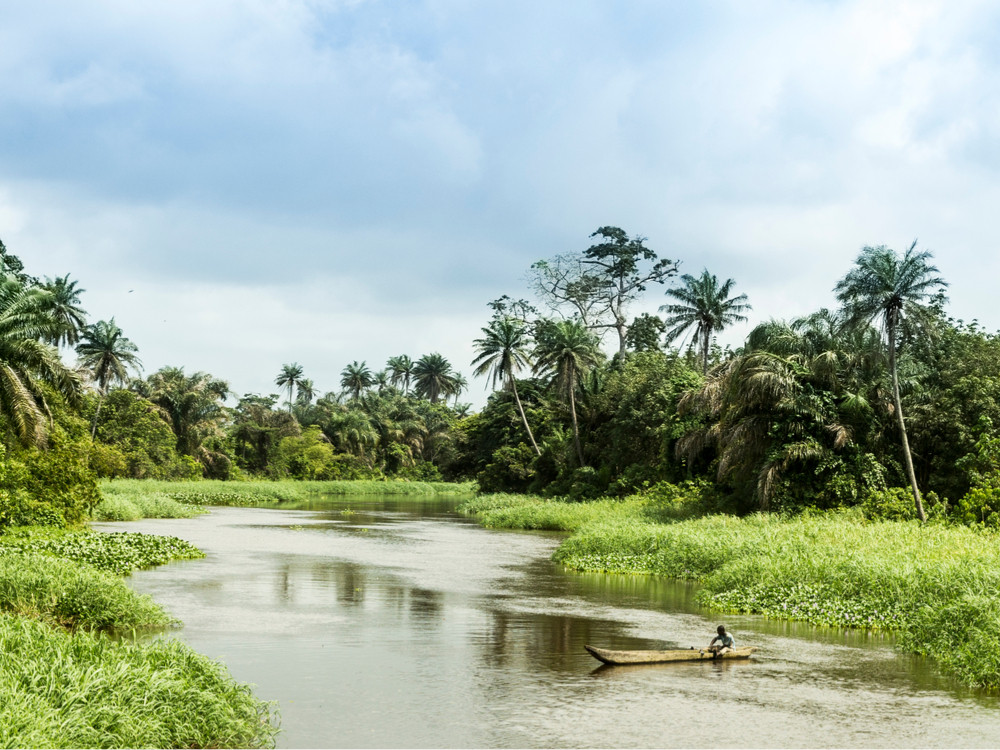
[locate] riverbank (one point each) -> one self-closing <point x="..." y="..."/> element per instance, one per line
<point x="71" y="672"/>
<point x="936" y="586"/>
<point x="132" y="499"/>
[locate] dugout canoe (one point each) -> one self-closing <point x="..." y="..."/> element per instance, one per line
<point x="663" y="657"/>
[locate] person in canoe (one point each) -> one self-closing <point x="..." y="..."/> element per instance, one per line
<point x="725" y="642"/>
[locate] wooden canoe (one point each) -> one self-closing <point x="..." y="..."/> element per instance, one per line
<point x="662" y="657"/>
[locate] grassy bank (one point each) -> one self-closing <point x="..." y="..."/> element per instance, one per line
<point x="937" y="586"/>
<point x="145" y="498"/>
<point x="65" y="683"/>
<point x="81" y="689"/>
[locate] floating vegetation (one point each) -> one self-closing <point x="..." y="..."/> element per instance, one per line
<point x="118" y="553"/>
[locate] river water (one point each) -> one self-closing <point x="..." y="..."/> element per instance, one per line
<point x="386" y="622"/>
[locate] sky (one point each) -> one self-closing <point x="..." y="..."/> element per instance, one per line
<point x="243" y="184"/>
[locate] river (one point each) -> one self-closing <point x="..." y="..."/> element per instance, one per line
<point x="388" y="622"/>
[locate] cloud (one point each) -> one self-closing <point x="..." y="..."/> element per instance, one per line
<point x="375" y="172"/>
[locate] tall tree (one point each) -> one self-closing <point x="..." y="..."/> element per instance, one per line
<point x="356" y="378"/>
<point x="887" y="287"/>
<point x="400" y="371"/>
<point x="27" y="361"/>
<point x="108" y="354"/>
<point x="600" y="283"/>
<point x="65" y="308"/>
<point x="500" y="353"/>
<point x="458" y="386"/>
<point x="616" y="264"/>
<point x="305" y="391"/>
<point x="705" y="306"/>
<point x="565" y="350"/>
<point x="289" y="377"/>
<point x="433" y="377"/>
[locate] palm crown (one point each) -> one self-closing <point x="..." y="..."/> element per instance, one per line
<point x="705" y="306"/>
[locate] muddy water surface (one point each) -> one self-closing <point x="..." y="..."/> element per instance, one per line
<point x="383" y="622"/>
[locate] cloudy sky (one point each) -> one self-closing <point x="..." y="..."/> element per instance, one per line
<point x="245" y="183"/>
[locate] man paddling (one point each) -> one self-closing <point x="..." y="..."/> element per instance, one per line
<point x="726" y="642"/>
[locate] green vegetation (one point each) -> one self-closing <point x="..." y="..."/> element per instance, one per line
<point x="937" y="585"/>
<point x="785" y="475"/>
<point x="132" y="506"/>
<point x="61" y="592"/>
<point x="118" y="553"/>
<point x="80" y="689"/>
<point x="252" y="494"/>
<point x="65" y="683"/>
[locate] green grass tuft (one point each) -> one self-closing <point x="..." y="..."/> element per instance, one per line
<point x="62" y="689"/>
<point x="132" y="506"/>
<point x="66" y="593"/>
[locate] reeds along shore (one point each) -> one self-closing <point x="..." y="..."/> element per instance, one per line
<point x="66" y="682"/>
<point x="936" y="586"/>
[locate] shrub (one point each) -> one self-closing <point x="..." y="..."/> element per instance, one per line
<point x="54" y="487"/>
<point x="892" y="504"/>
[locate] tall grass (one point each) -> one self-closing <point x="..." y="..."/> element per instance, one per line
<point x="510" y="511"/>
<point x="938" y="586"/>
<point x="79" y="689"/>
<point x="250" y="494"/>
<point x="133" y="506"/>
<point x="66" y="593"/>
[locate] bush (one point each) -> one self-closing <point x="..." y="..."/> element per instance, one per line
<point x="511" y="469"/>
<point x="892" y="504"/>
<point x="54" y="487"/>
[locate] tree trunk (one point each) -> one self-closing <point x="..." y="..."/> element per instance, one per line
<point x="93" y="429"/>
<point x="622" y="332"/>
<point x="907" y="458"/>
<point x="576" y="427"/>
<point x="520" y="408"/>
<point x="704" y="351"/>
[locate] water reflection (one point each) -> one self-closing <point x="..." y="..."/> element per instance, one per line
<point x="402" y="624"/>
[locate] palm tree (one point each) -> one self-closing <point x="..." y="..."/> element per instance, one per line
<point x="192" y="403"/>
<point x="381" y="381"/>
<point x="886" y="287"/>
<point x="433" y="377"/>
<point x="705" y="306"/>
<point x="356" y="377"/>
<point x="289" y="377"/>
<point x="501" y="352"/>
<point x="458" y="386"/>
<point x="566" y="350"/>
<point x="26" y="361"/>
<point x="790" y="400"/>
<point x="64" y="307"/>
<point x="350" y="430"/>
<point x="400" y="371"/>
<point x="305" y="391"/>
<point x="107" y="354"/>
